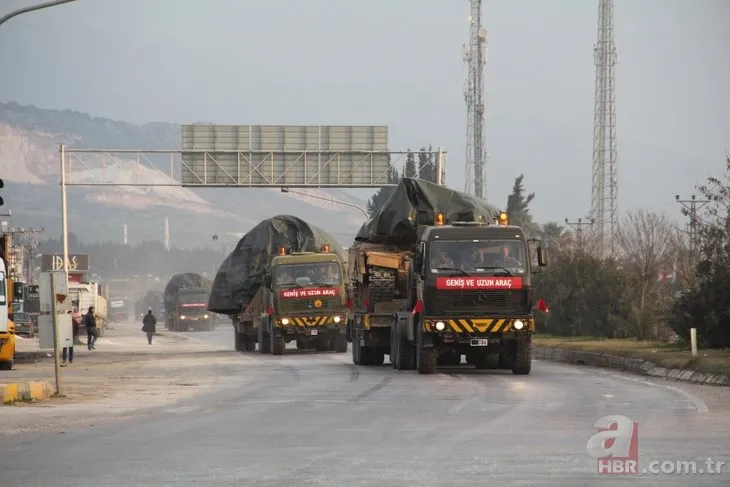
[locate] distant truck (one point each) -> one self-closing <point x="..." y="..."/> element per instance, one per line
<point x="186" y="303"/>
<point x="84" y="295"/>
<point x="302" y="299"/>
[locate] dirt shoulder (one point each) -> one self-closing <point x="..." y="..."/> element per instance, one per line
<point x="661" y="354"/>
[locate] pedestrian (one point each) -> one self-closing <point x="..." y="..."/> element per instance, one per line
<point x="68" y="352"/>
<point x="90" y="323"/>
<point x="149" y="323"/>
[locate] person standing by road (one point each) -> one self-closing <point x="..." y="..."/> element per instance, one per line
<point x="90" y="323"/>
<point x="149" y="323"/>
<point x="68" y="352"/>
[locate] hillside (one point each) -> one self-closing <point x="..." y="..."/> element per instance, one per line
<point x="29" y="142"/>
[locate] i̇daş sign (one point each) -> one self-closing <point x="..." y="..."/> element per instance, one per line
<point x="459" y="283"/>
<point x="315" y="292"/>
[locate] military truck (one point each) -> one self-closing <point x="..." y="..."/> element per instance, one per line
<point x="429" y="286"/>
<point x="186" y="302"/>
<point x="302" y="299"/>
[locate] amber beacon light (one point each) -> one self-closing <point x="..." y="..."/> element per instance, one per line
<point x="439" y="219"/>
<point x="503" y="218"/>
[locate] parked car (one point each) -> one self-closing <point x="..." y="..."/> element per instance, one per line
<point x="24" y="324"/>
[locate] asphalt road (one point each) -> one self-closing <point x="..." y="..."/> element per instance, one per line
<point x="315" y="419"/>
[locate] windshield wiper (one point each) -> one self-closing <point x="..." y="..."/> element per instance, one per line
<point x="496" y="267"/>
<point x="288" y="285"/>
<point x="463" y="272"/>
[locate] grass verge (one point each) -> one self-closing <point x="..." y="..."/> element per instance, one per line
<point x="668" y="355"/>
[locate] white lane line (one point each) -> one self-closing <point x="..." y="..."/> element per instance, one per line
<point x="698" y="403"/>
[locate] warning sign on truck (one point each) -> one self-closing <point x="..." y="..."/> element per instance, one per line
<point x="467" y="283"/>
<point x="314" y="292"/>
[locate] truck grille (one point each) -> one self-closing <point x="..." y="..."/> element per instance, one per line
<point x="484" y="302"/>
<point x="296" y="305"/>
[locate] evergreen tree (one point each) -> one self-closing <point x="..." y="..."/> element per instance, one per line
<point x="410" y="170"/>
<point x="518" y="207"/>
<point x="377" y="200"/>
<point x="426" y="165"/>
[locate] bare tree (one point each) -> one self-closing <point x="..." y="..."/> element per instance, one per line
<point x="647" y="244"/>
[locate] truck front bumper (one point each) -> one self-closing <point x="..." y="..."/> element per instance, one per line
<point x="311" y="325"/>
<point x="466" y="327"/>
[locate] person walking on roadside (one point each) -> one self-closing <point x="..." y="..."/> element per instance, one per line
<point x="149" y="325"/>
<point x="68" y="352"/>
<point x="90" y="323"/>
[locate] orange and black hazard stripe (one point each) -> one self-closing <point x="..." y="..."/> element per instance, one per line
<point x="310" y="321"/>
<point x="479" y="325"/>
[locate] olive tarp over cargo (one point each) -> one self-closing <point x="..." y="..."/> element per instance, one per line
<point x="180" y="281"/>
<point x="394" y="223"/>
<point x="241" y="273"/>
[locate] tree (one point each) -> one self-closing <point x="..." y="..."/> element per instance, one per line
<point x="706" y="304"/>
<point x="518" y="207"/>
<point x="555" y="236"/>
<point x="646" y="243"/>
<point x="376" y="201"/>
<point x="410" y="169"/>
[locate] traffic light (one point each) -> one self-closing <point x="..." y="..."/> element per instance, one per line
<point x="2" y="185"/>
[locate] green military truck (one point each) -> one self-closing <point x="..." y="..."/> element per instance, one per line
<point x="302" y="299"/>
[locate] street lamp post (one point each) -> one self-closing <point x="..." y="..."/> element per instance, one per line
<point x="331" y="200"/>
<point x="32" y="8"/>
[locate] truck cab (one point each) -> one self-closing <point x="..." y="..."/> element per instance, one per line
<point x="303" y="299"/>
<point x="193" y="310"/>
<point x="470" y="293"/>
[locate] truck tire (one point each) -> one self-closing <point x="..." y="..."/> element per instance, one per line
<point x="427" y="358"/>
<point x="249" y="343"/>
<point x="403" y="353"/>
<point x="278" y="345"/>
<point x="411" y="290"/>
<point x="6" y="365"/>
<point x="239" y="340"/>
<point x="523" y="356"/>
<point x="264" y="340"/>
<point x="339" y="343"/>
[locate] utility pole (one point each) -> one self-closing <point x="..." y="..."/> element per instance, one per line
<point x="690" y="208"/>
<point x="578" y="227"/>
<point x="32" y="8"/>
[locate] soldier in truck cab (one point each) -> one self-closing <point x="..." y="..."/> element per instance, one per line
<point x="442" y="260"/>
<point x="506" y="259"/>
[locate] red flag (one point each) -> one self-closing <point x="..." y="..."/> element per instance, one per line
<point x="348" y="303"/>
<point x="418" y="308"/>
<point x="542" y="306"/>
<point x="270" y="310"/>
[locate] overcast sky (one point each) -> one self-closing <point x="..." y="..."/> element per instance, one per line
<point x="399" y="63"/>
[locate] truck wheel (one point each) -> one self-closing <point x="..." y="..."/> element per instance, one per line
<point x="486" y="361"/>
<point x="523" y="356"/>
<point x="426" y="358"/>
<point x="403" y="353"/>
<point x="264" y="340"/>
<point x="376" y="356"/>
<point x="356" y="350"/>
<point x="6" y="365"/>
<point x="278" y="345"/>
<point x="339" y="343"/>
<point x="249" y="343"/>
<point x="239" y="340"/>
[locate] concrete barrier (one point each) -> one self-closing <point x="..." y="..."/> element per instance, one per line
<point x="25" y="391"/>
<point x="628" y="364"/>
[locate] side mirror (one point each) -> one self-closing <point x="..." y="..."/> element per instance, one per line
<point x="542" y="258"/>
<point x="418" y="262"/>
<point x="267" y="280"/>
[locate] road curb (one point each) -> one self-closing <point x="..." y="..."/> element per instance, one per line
<point x="25" y="357"/>
<point x="628" y="364"/>
<point x="25" y="391"/>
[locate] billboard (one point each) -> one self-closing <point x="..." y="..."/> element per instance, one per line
<point x="284" y="155"/>
<point x="54" y="262"/>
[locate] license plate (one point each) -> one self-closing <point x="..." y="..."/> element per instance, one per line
<point x="479" y="342"/>
<point x="314" y="332"/>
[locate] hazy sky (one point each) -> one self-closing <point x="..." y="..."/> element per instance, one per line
<point x="399" y="63"/>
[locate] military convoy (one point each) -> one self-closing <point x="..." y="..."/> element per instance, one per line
<point x="434" y="276"/>
<point x="185" y="301"/>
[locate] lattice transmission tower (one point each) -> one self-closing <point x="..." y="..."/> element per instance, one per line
<point x="475" y="56"/>
<point x="604" y="204"/>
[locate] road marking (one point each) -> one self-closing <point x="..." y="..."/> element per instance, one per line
<point x="698" y="403"/>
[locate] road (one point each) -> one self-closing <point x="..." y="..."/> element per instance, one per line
<point x="315" y="419"/>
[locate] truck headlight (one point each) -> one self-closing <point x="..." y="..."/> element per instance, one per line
<point x="182" y="317"/>
<point x="285" y="321"/>
<point x="440" y="325"/>
<point x="519" y="325"/>
<point x="205" y="317"/>
<point x="337" y="319"/>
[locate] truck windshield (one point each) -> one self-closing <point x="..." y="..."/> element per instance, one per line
<point x="489" y="256"/>
<point x="192" y="298"/>
<point x="316" y="274"/>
